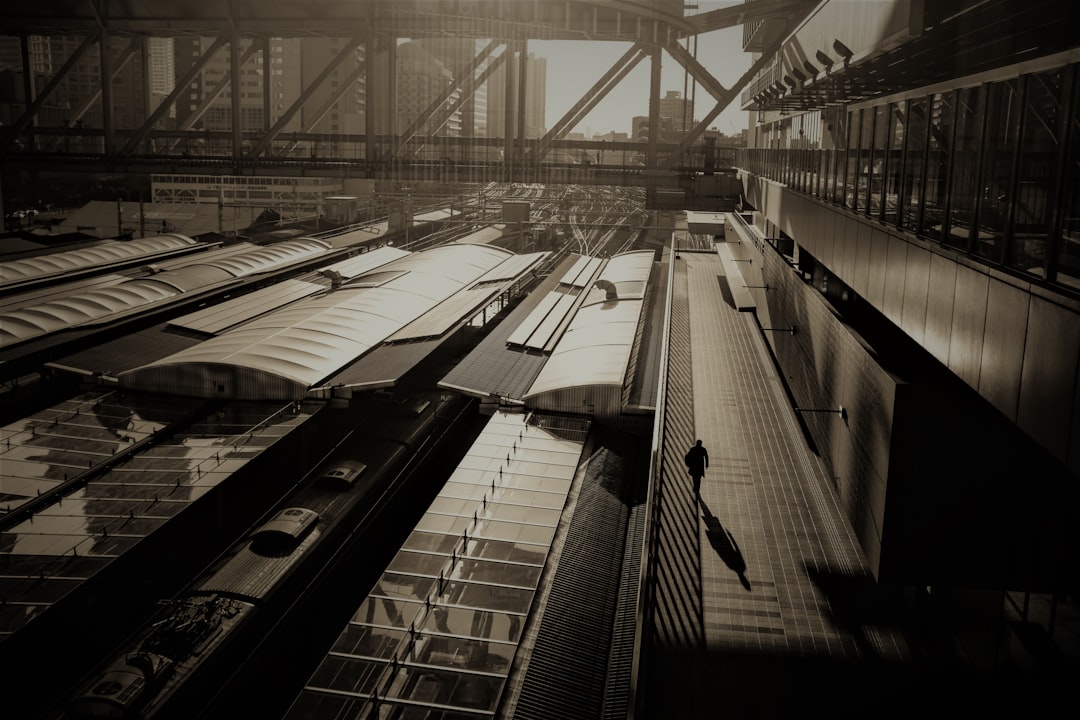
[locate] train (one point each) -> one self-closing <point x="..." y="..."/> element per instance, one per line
<point x="213" y="620"/>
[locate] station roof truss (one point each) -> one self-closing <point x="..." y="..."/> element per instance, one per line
<point x="302" y="346"/>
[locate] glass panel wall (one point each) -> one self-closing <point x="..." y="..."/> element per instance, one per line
<point x="1068" y="258"/>
<point x="938" y="139"/>
<point x="851" y="172"/>
<point x="914" y="161"/>
<point x="877" y="160"/>
<point x="964" y="204"/>
<point x="1003" y="117"/>
<point x="895" y="161"/>
<point x="992" y="169"/>
<point x="1039" y="142"/>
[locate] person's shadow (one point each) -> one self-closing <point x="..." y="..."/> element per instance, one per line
<point x="726" y="547"/>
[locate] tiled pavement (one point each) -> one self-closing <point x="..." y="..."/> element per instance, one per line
<point x="764" y="490"/>
<point x="771" y="541"/>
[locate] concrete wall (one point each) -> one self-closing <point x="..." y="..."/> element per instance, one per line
<point x="938" y="486"/>
<point x="1015" y="343"/>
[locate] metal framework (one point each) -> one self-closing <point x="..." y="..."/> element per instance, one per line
<point x="372" y="28"/>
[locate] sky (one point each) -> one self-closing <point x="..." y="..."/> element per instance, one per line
<point x="574" y="66"/>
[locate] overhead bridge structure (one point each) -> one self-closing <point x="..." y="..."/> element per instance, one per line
<point x="64" y="114"/>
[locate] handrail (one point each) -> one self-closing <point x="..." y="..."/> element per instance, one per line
<point x="646" y="584"/>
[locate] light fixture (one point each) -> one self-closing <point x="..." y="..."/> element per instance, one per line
<point x="799" y="75"/>
<point x="841" y="411"/>
<point x="810" y="68"/>
<point x="824" y="60"/>
<point x="842" y="50"/>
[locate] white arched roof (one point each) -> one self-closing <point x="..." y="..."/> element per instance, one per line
<point x="596" y="347"/>
<point x="99" y="254"/>
<point x="28" y="322"/>
<point x="301" y="344"/>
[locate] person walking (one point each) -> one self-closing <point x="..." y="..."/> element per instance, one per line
<point x="697" y="459"/>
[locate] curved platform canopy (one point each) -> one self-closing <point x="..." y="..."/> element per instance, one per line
<point x="285" y="353"/>
<point x="99" y="255"/>
<point x="100" y="305"/>
<point x="588" y="367"/>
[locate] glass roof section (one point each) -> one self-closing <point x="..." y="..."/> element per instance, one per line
<point x="99" y="254"/>
<point x="596" y="347"/>
<point x="49" y="555"/>
<point x="437" y="634"/>
<point x="309" y="340"/>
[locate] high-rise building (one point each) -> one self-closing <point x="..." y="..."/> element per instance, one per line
<point x="457" y="54"/>
<point x="283" y="68"/>
<point x="161" y="66"/>
<point x="498" y="102"/>
<point x="679" y="109"/>
<point x="346" y="115"/>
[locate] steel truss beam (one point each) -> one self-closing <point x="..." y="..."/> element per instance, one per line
<point x="591" y="98"/>
<point x="223" y="84"/>
<point x="287" y="116"/>
<point x="182" y="86"/>
<point x="89" y="100"/>
<point x="729" y="95"/>
<point x="468" y="90"/>
<point x="438" y="103"/>
<point x="31" y="112"/>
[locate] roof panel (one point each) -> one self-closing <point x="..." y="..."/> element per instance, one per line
<point x="216" y="318"/>
<point x="513" y="267"/>
<point x="342" y="324"/>
<point x="547" y="332"/>
<point x="457" y="308"/>
<point x="495" y="576"/>
<point x="368" y="261"/>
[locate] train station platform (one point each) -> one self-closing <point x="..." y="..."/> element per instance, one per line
<point x="759" y="585"/>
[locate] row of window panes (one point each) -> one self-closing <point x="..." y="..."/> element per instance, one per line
<point x="1003" y="158"/>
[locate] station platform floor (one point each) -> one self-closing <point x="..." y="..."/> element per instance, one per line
<point x="758" y="581"/>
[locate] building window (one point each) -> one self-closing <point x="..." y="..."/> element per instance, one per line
<point x="877" y="159"/>
<point x="911" y="192"/>
<point x="967" y="154"/>
<point x="1068" y="255"/>
<point x="895" y="162"/>
<point x="1041" y="133"/>
<point x="1002" y="136"/>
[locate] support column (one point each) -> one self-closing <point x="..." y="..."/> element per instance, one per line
<point x="106" y="91"/>
<point x="369" y="87"/>
<point x="234" y="79"/>
<point x="522" y="98"/>
<point x="509" y="104"/>
<point x="28" y="86"/>
<point x="654" y="108"/>
<point x="268" y="81"/>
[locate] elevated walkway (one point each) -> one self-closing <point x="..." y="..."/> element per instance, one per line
<point x="757" y="583"/>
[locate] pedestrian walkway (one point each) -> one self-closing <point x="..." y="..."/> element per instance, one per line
<point x="767" y="550"/>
